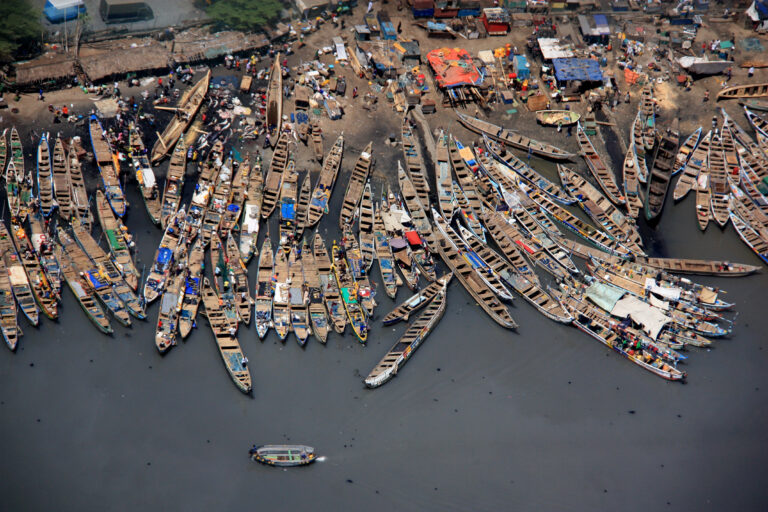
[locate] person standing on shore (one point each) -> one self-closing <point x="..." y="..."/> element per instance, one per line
<point x="750" y="73"/>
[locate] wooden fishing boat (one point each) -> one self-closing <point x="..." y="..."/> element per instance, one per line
<point x="299" y="296"/>
<point x="700" y="267"/>
<point x="317" y="140"/>
<point x="593" y="235"/>
<point x="478" y="265"/>
<point x="302" y="205"/>
<point x="414" y="336"/>
<point x="685" y="151"/>
<point x="355" y="186"/>
<point x="167" y="326"/>
<point x="349" y="291"/>
<point x="107" y="161"/>
<point x="239" y="280"/>
<point x="42" y="242"/>
<point x="321" y="195"/>
<point x="414" y="303"/>
<point x="96" y="278"/>
<point x="43" y="286"/>
<point x="275" y="176"/>
<point x="731" y="155"/>
<point x="718" y="182"/>
<point x="18" y="190"/>
<point x="163" y="260"/>
<point x="471" y="281"/>
<point x="760" y="126"/>
<point x="748" y="210"/>
<point x="522" y="279"/>
<point x="692" y="168"/>
<point x="367" y="247"/>
<point x="192" y="282"/>
<point x="502" y="234"/>
<point x="557" y="117"/>
<point x="317" y="313"/>
<point x="661" y="175"/>
<point x="264" y="288"/>
<point x="226" y="339"/>
<point x="392" y="215"/>
<point x="466" y="213"/>
<point x="174" y="182"/>
<point x="602" y="174"/>
<point x="443" y="178"/>
<point x="284" y="455"/>
<point x="8" y="321"/>
<point x="249" y="226"/>
<point x="81" y="206"/>
<point x="145" y="175"/>
<point x="20" y="285"/>
<point x="3" y="153"/>
<point x="44" y="177"/>
<point x="465" y="166"/>
<point x="74" y="275"/>
<point x="415" y="209"/>
<point x="414" y="162"/>
<point x="215" y="212"/>
<point x="743" y="138"/>
<point x="61" y="185"/>
<point x="750" y="237"/>
<point x="224" y="278"/>
<point x="637" y="144"/>
<point x="384" y="254"/>
<point x="510" y="161"/>
<point x="329" y="286"/>
<point x="356" y="266"/>
<point x="760" y="106"/>
<point x="119" y="240"/>
<point x="185" y="112"/>
<point x="234" y="207"/>
<point x="108" y="272"/>
<point x="592" y="321"/>
<point x="633" y="202"/>
<point x="274" y="116"/>
<point x="512" y="138"/>
<point x="281" y="302"/>
<point x="201" y="198"/>
<point x="287" y="217"/>
<point x="601" y="210"/>
<point x="743" y="91"/>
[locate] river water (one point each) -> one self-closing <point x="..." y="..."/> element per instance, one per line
<point x="481" y="418"/>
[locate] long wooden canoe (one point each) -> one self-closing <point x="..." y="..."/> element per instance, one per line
<point x="287" y="213"/>
<point x="215" y="212"/>
<point x="8" y="321"/>
<point x="174" y="182"/>
<point x="81" y="207"/>
<point x="44" y="177"/>
<point x="414" y="162"/>
<point x="107" y="161"/>
<point x="119" y="240"/>
<point x="661" y="175"/>
<point x="355" y="186"/>
<point x="163" y="259"/>
<point x="61" y="185"/>
<point x="411" y="339"/>
<point x="192" y="283"/>
<point x="281" y="302"/>
<point x="348" y="287"/>
<point x="299" y="296"/>
<point x="414" y="303"/>
<point x="226" y="339"/>
<point x="234" y="208"/>
<point x="274" y="117"/>
<point x="750" y="237"/>
<point x="264" y="288"/>
<point x="512" y="138"/>
<point x="415" y="209"/>
<point x="367" y="248"/>
<point x="167" y="327"/>
<point x="188" y="106"/>
<point x="321" y="195"/>
<point x="631" y="187"/>
<point x="19" y="191"/>
<point x="331" y="293"/>
<point x="318" y="315"/>
<point x="718" y="182"/>
<point x="3" y="151"/>
<point x="43" y="286"/>
<point x="602" y="174"/>
<point x="317" y="140"/>
<point x="443" y="178"/>
<point x="302" y="204"/>
<point x="356" y="267"/>
<point x="690" y="172"/>
<point x="250" y="223"/>
<point x="145" y="175"/>
<point x="275" y="176"/>
<point x="637" y="145"/>
<point x="387" y="269"/>
<point x="743" y="91"/>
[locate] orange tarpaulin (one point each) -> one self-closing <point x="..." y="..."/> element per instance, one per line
<point x="453" y="67"/>
<point x="630" y="76"/>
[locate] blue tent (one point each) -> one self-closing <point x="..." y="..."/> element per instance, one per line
<point x="164" y="255"/>
<point x="62" y="10"/>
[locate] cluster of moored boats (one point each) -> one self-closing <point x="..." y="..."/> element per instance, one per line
<point x="493" y="220"/>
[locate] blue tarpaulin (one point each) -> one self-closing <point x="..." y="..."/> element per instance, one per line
<point x="164" y="255"/>
<point x="287" y="211"/>
<point x="586" y="70"/>
<point x="95" y="280"/>
<point x="233" y="208"/>
<point x="193" y="284"/>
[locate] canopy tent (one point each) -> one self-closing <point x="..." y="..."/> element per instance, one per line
<point x="453" y="67"/>
<point x="651" y="319"/>
<point x="62" y="10"/>
<point x="552" y="49"/>
<point x="603" y="295"/>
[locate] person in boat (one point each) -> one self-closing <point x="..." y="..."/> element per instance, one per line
<point x="254" y="449"/>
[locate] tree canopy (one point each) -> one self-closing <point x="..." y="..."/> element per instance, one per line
<point x="244" y="14"/>
<point x="19" y="23"/>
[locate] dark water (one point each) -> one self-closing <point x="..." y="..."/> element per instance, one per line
<point x="481" y="418"/>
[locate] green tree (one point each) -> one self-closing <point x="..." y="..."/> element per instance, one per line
<point x="19" y="24"/>
<point x="244" y="14"/>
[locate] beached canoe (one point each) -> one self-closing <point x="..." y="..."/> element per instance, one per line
<point x="557" y="117"/>
<point x="743" y="91"/>
<point x="145" y="175"/>
<point x="174" y="183"/>
<point x="321" y="194"/>
<point x="355" y="186"/>
<point x="274" y="116"/>
<point x="61" y="186"/>
<point x="329" y="286"/>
